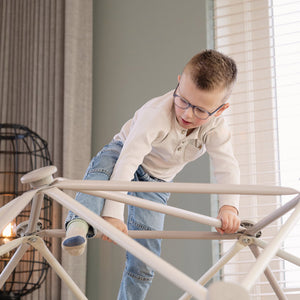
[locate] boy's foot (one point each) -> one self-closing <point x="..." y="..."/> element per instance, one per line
<point x="75" y="241"/>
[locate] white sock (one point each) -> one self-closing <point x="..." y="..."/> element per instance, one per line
<point x="75" y="241"/>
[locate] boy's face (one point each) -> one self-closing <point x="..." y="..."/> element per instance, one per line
<point x="207" y="100"/>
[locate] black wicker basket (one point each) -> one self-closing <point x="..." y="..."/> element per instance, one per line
<point x="21" y="151"/>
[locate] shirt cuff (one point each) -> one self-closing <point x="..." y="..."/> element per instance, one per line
<point x="231" y="200"/>
<point x="113" y="209"/>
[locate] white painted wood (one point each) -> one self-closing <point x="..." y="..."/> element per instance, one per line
<point x="39" y="244"/>
<point x="227" y="291"/>
<point x="173" y="187"/>
<point x="39" y="177"/>
<point x="165" y="269"/>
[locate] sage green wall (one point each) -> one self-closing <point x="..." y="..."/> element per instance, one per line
<point x="139" y="49"/>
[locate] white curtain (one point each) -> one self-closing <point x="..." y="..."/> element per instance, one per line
<point x="77" y="112"/>
<point x="245" y="31"/>
<point x="45" y="84"/>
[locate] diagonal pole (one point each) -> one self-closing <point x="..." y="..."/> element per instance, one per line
<point x="236" y="247"/>
<point x="279" y="212"/>
<point x="11" y="210"/>
<point x="12" y="263"/>
<point x="280" y="253"/>
<point x="271" y="250"/>
<point x="39" y="244"/>
<point x="166" y="209"/>
<point x="269" y="275"/>
<point x="165" y="269"/>
<point x="9" y="246"/>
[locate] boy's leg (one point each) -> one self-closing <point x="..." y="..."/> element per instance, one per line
<point x="137" y="276"/>
<point x="100" y="168"/>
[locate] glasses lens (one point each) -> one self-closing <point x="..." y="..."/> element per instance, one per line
<point x="200" y="113"/>
<point x="180" y="102"/>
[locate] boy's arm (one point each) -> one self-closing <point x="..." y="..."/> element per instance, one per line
<point x="226" y="171"/>
<point x="138" y="144"/>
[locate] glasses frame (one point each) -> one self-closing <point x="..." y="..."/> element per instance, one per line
<point x="194" y="106"/>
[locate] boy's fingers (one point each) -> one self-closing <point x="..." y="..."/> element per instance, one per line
<point x="220" y="230"/>
<point x="230" y="224"/>
<point x="225" y="223"/>
<point x="105" y="238"/>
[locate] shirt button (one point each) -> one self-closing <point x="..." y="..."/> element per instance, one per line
<point x="183" y="131"/>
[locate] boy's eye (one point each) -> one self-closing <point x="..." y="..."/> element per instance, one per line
<point x="200" y="112"/>
<point x="184" y="102"/>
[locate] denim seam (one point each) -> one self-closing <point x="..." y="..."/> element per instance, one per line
<point x="139" y="277"/>
<point x="139" y="225"/>
<point x="148" y="178"/>
<point x="109" y="150"/>
<point x="92" y="171"/>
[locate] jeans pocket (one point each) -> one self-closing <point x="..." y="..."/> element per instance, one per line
<point x="135" y="225"/>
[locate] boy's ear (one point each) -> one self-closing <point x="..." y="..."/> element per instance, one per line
<point x="222" y="109"/>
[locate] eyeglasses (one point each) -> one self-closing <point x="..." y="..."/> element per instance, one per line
<point x="199" y="112"/>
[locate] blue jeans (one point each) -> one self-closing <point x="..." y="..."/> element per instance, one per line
<point x="137" y="276"/>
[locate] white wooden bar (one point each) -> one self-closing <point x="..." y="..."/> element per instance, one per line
<point x="42" y="182"/>
<point x="166" y="209"/>
<point x="280" y="253"/>
<point x="165" y="269"/>
<point x="269" y="275"/>
<point x="203" y="235"/>
<point x="39" y="244"/>
<point x="11" y="245"/>
<point x="236" y="247"/>
<point x="270" y="251"/>
<point x="13" y="210"/>
<point x="35" y="211"/>
<point x="172" y="187"/>
<point x="274" y="215"/>
<point x="13" y="262"/>
<point x="153" y="234"/>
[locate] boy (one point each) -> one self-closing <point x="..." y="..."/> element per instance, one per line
<point x="163" y="136"/>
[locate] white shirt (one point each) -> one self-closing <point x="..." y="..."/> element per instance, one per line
<point x="154" y="139"/>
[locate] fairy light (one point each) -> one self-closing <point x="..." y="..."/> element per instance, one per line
<point x="8" y="232"/>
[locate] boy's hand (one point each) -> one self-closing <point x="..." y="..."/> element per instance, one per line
<point x="116" y="223"/>
<point x="229" y="218"/>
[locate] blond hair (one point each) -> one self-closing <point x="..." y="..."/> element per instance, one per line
<point x="211" y="69"/>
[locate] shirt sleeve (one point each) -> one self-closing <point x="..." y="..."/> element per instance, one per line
<point x="147" y="126"/>
<point x="225" y="165"/>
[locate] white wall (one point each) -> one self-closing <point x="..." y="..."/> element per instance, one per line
<point x="139" y="49"/>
